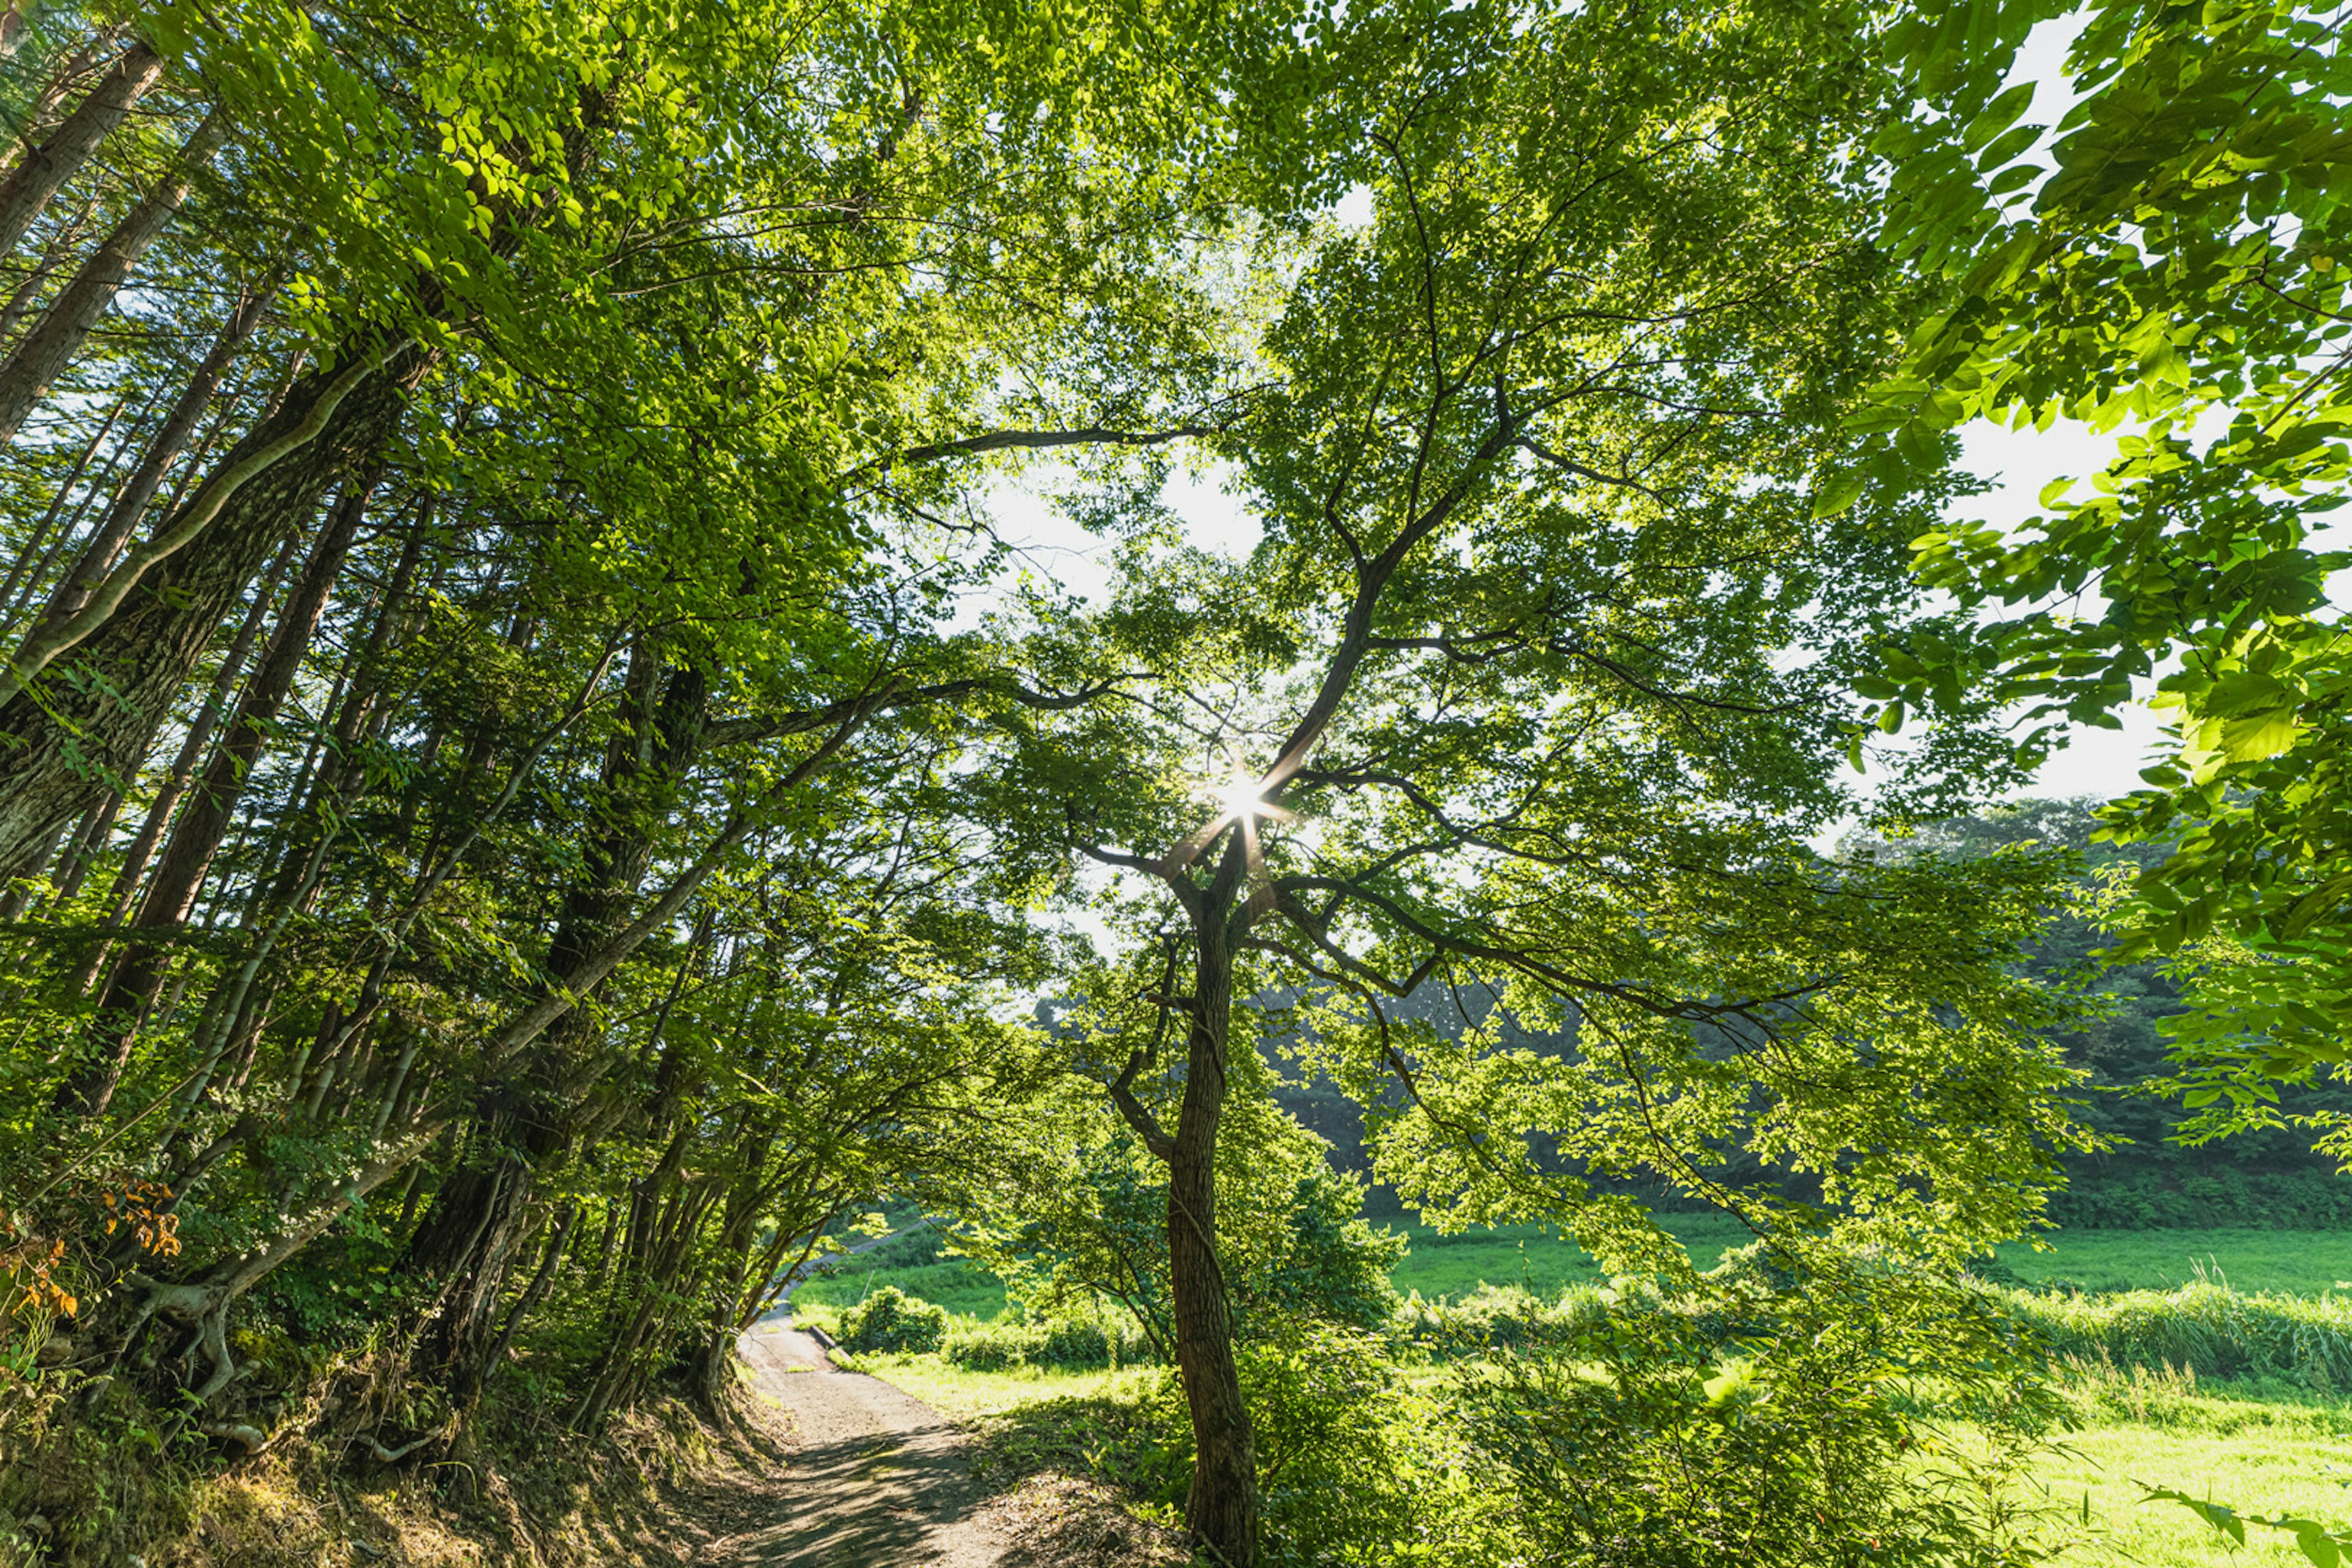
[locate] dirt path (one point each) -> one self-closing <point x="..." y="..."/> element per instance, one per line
<point x="878" y="1479"/>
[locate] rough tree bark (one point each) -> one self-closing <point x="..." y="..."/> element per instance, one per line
<point x="46" y="351"/>
<point x="472" y="1232"/>
<point x="1221" y="1509"/>
<point x="30" y="187"/>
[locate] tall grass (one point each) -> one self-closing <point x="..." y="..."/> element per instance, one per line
<point x="2204" y="1327"/>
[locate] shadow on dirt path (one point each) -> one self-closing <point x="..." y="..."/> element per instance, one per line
<point x="877" y="1477"/>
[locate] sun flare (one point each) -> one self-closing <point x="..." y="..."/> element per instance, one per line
<point x="1244" y="797"/>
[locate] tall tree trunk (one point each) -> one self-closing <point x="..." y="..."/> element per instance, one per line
<point x="470" y="1237"/>
<point x="139" y="491"/>
<point x="1221" y="1510"/>
<point x="58" y="754"/>
<point x="472" y="1232"/>
<point x="63" y="244"/>
<point x="196" y="835"/>
<point x="57" y="336"/>
<point x="32" y="561"/>
<point x="46" y="168"/>
<point x="128" y="879"/>
<point x="96" y="488"/>
<point x="713" y="1355"/>
<point x="85" y="848"/>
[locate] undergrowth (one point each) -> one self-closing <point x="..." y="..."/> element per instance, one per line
<point x="98" y="1478"/>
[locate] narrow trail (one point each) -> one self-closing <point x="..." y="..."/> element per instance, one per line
<point x="877" y="1477"/>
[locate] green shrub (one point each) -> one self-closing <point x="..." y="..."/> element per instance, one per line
<point x="1499" y="1316"/>
<point x="1354" y="1467"/>
<point x="2148" y="1200"/>
<point x="1759" y="1415"/>
<point x="988" y="1347"/>
<point x="890" y="1320"/>
<point x="1076" y="1346"/>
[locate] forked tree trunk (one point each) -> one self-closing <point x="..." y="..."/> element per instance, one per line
<point x="710" y="1364"/>
<point x="470" y="1237"/>
<point x="1221" y="1510"/>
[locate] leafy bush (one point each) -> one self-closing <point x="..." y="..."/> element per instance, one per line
<point x="2147" y="1200"/>
<point x="989" y="1347"/>
<point x="1758" y="1416"/>
<point x="1076" y="1346"/>
<point x="1354" y="1467"/>
<point x="1499" y="1316"/>
<point x="890" y="1320"/>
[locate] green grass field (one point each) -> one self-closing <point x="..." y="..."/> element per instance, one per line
<point x="951" y="1282"/>
<point x="2303" y="1263"/>
<point x="2268" y="1449"/>
<point x="1531" y="1256"/>
<point x="2299" y="1262"/>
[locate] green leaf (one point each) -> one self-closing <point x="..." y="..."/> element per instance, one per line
<point x="1839" y="493"/>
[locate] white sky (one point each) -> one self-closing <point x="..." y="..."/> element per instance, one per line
<point x="2103" y="762"/>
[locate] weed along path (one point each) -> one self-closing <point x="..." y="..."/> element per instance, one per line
<point x="877" y="1477"/>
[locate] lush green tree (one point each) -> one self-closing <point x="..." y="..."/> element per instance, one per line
<point x="1085" y="1216"/>
<point x="2166" y="261"/>
<point x="1535" y="680"/>
<point x="2147" y="1174"/>
<point x="575" y="565"/>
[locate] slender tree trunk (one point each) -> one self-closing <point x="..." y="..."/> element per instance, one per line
<point x="127" y="880"/>
<point x="85" y="848"/>
<point x="713" y="1356"/>
<point x="542" y="1279"/>
<point x="46" y="168"/>
<point x="32" y="561"/>
<point x="124" y="517"/>
<point x="56" y="337"/>
<point x="1221" y="1510"/>
<point x="61" y="753"/>
<point x="62" y="245"/>
<point x="17" y="609"/>
<point x="196" y="835"/>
